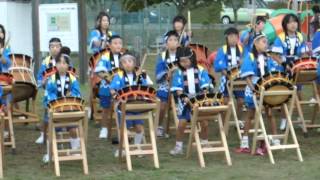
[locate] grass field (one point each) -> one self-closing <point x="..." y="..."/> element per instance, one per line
<point x="27" y="162"/>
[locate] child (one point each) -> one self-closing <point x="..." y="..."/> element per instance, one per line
<point x="179" y="23"/>
<point x="99" y="37"/>
<point x="188" y="81"/>
<point x="109" y="61"/>
<point x="248" y="35"/>
<point x="63" y="84"/>
<point x="5" y="62"/>
<point x="229" y="56"/>
<point x="164" y="68"/>
<point x="49" y="62"/>
<point x="128" y="77"/>
<point x="254" y="66"/>
<point x="292" y="44"/>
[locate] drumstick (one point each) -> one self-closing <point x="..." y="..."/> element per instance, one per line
<point x="138" y="72"/>
<point x="189" y="23"/>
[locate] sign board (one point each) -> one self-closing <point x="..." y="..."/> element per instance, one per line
<point x="61" y="21"/>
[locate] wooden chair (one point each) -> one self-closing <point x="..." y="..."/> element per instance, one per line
<point x="67" y="119"/>
<point x="259" y="123"/>
<point x="150" y="114"/>
<point x="209" y="114"/>
<point x="307" y="78"/>
<point x="232" y="86"/>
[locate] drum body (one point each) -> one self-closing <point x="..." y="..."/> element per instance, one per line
<point x="6" y="81"/>
<point x="201" y="54"/>
<point x="66" y="104"/>
<point x="275" y="81"/>
<point x="137" y="95"/>
<point x="234" y="73"/>
<point x="305" y="64"/>
<point x="21" y="60"/>
<point x="210" y="99"/>
<point x="25" y="84"/>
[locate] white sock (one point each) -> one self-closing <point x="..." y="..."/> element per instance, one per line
<point x="179" y="144"/>
<point x="204" y="141"/>
<point x="75" y="143"/>
<point x="138" y="138"/>
<point x="41" y="134"/>
<point x="244" y="142"/>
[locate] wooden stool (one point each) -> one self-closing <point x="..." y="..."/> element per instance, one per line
<point x="307" y="78"/>
<point x="150" y="113"/>
<point x="209" y="114"/>
<point x="259" y="122"/>
<point x="77" y="119"/>
<point x="238" y="85"/>
<point x="29" y="115"/>
<point x="11" y="142"/>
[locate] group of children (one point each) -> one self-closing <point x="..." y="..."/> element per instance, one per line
<point x="176" y="72"/>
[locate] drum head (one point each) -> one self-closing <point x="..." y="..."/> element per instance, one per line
<point x="67" y="104"/>
<point x="273" y="101"/>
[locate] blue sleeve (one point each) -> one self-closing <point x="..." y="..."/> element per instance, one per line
<point x="51" y="89"/>
<point x="94" y="36"/>
<point x="247" y="68"/>
<point x="278" y="44"/>
<point x="205" y="80"/>
<point x="243" y="36"/>
<point x="177" y="81"/>
<point x="75" y="89"/>
<point x="220" y="63"/>
<point x="7" y="65"/>
<point x="116" y="83"/>
<point x="161" y="69"/>
<point x="103" y="65"/>
<point x="40" y="74"/>
<point x="316" y="43"/>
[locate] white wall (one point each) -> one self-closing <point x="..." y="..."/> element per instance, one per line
<point x="16" y="17"/>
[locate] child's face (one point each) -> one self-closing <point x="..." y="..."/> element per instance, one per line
<point x="54" y="48"/>
<point x="1" y="34"/>
<point x="116" y="45"/>
<point x="260" y="26"/>
<point x="104" y="22"/>
<point x="292" y="26"/>
<point x="261" y="44"/>
<point x="178" y="26"/>
<point x="233" y="39"/>
<point x="62" y="66"/>
<point x="128" y="64"/>
<point x="185" y="62"/>
<point x="172" y="43"/>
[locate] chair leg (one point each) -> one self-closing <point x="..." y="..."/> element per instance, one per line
<point x="153" y="141"/>
<point x="224" y="141"/>
<point x="83" y="148"/>
<point x="55" y="152"/>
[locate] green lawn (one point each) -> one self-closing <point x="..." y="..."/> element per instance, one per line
<point x="27" y="164"/>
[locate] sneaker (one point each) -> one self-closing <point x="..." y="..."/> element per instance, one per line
<point x="260" y="151"/>
<point x="5" y="134"/>
<point x="275" y="142"/>
<point x="45" y="158"/>
<point x="116" y="153"/>
<point x="241" y="124"/>
<point x="40" y="139"/>
<point x="75" y="144"/>
<point x="103" y="133"/>
<point x="242" y="150"/>
<point x="283" y="124"/>
<point x="176" y="151"/>
<point x="167" y="135"/>
<point x="160" y="132"/>
<point x="312" y="100"/>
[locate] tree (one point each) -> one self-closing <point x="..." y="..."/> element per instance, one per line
<point x="235" y="5"/>
<point x="182" y="5"/>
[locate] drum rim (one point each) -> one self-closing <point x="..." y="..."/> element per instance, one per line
<point x="82" y="101"/>
<point x="20" y="54"/>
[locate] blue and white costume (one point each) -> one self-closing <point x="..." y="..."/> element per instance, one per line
<point x="96" y="35"/>
<point x="191" y="82"/>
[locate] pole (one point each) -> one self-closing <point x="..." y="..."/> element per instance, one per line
<point x="82" y="40"/>
<point x="35" y="35"/>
